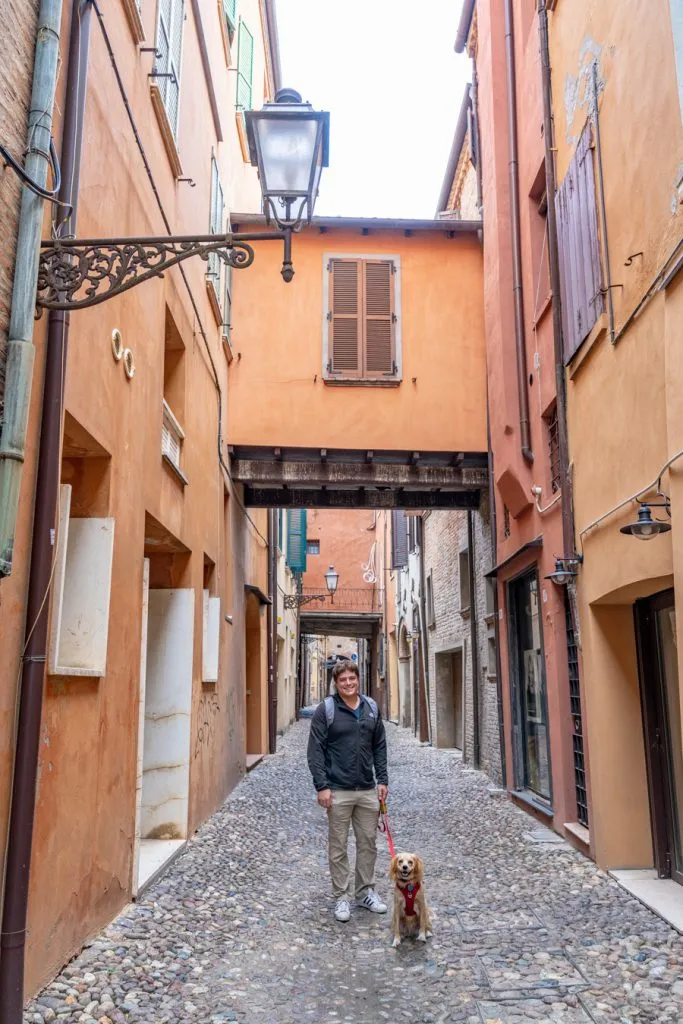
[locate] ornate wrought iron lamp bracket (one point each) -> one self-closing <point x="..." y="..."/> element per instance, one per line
<point x="296" y="600"/>
<point x="81" y="272"/>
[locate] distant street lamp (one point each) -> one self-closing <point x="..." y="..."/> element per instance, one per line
<point x="288" y="142"/>
<point x="297" y="599"/>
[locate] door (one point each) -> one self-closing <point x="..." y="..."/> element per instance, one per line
<point x="529" y="699"/>
<point x="456" y="669"/>
<point x="659" y="692"/>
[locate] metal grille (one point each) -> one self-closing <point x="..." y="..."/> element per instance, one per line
<point x="506" y="521"/>
<point x="553" y="450"/>
<point x="575" y="703"/>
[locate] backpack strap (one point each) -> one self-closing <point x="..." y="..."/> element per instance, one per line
<point x="372" y="705"/>
<point x="329" y="710"/>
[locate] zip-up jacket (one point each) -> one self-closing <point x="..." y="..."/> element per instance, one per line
<point x="352" y="753"/>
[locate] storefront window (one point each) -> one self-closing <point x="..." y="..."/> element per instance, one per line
<point x="530" y="691"/>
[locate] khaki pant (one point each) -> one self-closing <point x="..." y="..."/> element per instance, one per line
<point x="360" y="808"/>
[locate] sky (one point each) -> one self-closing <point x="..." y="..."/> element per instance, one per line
<point x="387" y="73"/>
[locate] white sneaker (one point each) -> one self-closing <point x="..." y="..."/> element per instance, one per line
<point x="342" y="911"/>
<point x="372" y="902"/>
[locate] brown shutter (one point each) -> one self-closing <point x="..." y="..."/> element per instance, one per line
<point x="578" y="242"/>
<point x="379" y="317"/>
<point x="345" y="317"/>
<point x="399" y="539"/>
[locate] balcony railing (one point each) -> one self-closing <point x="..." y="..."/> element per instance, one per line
<point x="345" y="599"/>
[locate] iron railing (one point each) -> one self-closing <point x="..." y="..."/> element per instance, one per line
<point x="345" y="599"/>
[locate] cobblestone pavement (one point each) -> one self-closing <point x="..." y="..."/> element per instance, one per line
<point x="241" y="929"/>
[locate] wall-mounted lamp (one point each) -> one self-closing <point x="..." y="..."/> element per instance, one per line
<point x="565" y="571"/>
<point x="331" y="581"/>
<point x="645" y="527"/>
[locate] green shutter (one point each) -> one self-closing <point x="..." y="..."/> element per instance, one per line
<point x="296" y="539"/>
<point x="230" y="8"/>
<point x="245" y="66"/>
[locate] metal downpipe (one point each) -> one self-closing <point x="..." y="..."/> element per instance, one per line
<point x="517" y="287"/>
<point x="474" y="643"/>
<point x="555" y="287"/>
<point x="20" y="348"/>
<point x="20" y="832"/>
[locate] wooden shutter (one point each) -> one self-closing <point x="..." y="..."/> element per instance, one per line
<point x="378" y="295"/>
<point x="345" y="321"/>
<point x="399" y="539"/>
<point x="230" y="8"/>
<point x="579" y="248"/>
<point x="245" y="66"/>
<point x="296" y="539"/>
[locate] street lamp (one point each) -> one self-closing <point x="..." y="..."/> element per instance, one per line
<point x="332" y="579"/>
<point x="645" y="527"/>
<point x="288" y="142"/>
<point x="565" y="571"/>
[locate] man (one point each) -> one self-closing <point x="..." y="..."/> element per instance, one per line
<point x="347" y="755"/>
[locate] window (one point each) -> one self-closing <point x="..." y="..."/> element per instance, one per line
<point x="677" y="25"/>
<point x="506" y="521"/>
<point x="538" y="236"/>
<point x="245" y="66"/>
<point x="227" y="303"/>
<point x="230" y="15"/>
<point x="431" y="616"/>
<point x="280" y="528"/>
<point x="553" y="449"/>
<point x="464" y="574"/>
<point x="577" y="229"/>
<point x="172" y="437"/>
<point x="412" y="533"/>
<point x="312" y="547"/>
<point x="213" y="273"/>
<point x="362" y="335"/>
<point x="173" y="409"/>
<point x="166" y="73"/>
<point x="399" y="539"/>
<point x="490" y="597"/>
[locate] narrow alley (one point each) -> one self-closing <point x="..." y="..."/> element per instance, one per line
<point x="240" y="928"/>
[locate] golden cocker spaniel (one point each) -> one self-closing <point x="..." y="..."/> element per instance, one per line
<point x="411" y="913"/>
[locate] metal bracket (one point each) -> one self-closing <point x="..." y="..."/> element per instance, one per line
<point x="82" y="272"/>
<point x="296" y="600"/>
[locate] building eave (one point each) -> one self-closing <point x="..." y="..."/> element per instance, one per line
<point x="456" y="149"/>
<point x="464" y="25"/>
<point x="368" y="225"/>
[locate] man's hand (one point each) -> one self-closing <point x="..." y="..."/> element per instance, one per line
<point x="325" y="798"/>
<point x="382" y="793"/>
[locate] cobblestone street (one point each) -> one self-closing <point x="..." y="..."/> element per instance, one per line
<point x="241" y="928"/>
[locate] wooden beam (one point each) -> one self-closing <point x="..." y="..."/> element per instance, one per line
<point x="273" y="497"/>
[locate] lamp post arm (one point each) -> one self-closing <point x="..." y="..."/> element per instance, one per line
<point x="75" y="273"/>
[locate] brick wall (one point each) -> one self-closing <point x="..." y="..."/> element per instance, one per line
<point x="17" y="28"/>
<point x="445" y="537"/>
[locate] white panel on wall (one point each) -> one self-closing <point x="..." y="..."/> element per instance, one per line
<point x="212" y="619"/>
<point x="168" y="711"/>
<point x="80" y="614"/>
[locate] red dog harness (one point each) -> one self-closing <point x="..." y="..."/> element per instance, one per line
<point x="410" y="892"/>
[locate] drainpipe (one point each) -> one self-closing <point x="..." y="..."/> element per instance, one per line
<point x="496" y="622"/>
<point x="20" y="348"/>
<point x="385" y="616"/>
<point x="272" y="630"/>
<point x="554" y="262"/>
<point x="423" y="625"/>
<point x="20" y="832"/>
<point x="474" y="642"/>
<point x="517" y="288"/>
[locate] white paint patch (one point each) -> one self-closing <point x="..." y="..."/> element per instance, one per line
<point x="578" y="89"/>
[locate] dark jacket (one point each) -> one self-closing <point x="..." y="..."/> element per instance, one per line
<point x="352" y="753"/>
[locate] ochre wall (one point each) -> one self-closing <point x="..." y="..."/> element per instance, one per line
<point x="82" y="862"/>
<point x="279" y="358"/>
<point x="624" y="401"/>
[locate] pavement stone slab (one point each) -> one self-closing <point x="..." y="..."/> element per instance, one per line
<point x="240" y="928"/>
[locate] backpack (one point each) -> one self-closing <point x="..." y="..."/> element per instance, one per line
<point x="329" y="708"/>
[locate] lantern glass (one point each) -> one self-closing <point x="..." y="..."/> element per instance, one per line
<point x="331" y="579"/>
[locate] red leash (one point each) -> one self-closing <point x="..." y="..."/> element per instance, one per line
<point x="383" y="826"/>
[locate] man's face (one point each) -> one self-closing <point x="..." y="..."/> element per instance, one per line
<point x="347" y="683"/>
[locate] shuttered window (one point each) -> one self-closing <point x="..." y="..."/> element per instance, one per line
<point x="399" y="539"/>
<point x="577" y="227"/>
<point x="167" y="64"/>
<point x="230" y="11"/>
<point x="245" y="66"/>
<point x="361" y="318"/>
<point x="296" y="539"/>
<point x="217" y="207"/>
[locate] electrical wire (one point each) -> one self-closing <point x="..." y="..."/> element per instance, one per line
<point x="44" y="193"/>
<point x="167" y="224"/>
<point x="634" y="497"/>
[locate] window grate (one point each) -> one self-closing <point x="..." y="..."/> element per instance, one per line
<point x="506" y="521"/>
<point x="575" y="705"/>
<point x="553" y="450"/>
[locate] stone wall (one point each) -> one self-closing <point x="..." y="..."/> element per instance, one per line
<point x="18" y="29"/>
<point x="449" y="635"/>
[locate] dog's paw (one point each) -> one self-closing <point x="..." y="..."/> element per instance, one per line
<point x="421" y="937"/>
<point x="396" y="943"/>
<point x="429" y="934"/>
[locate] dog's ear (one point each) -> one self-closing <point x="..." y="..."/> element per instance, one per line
<point x="419" y="870"/>
<point x="393" y="869"/>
